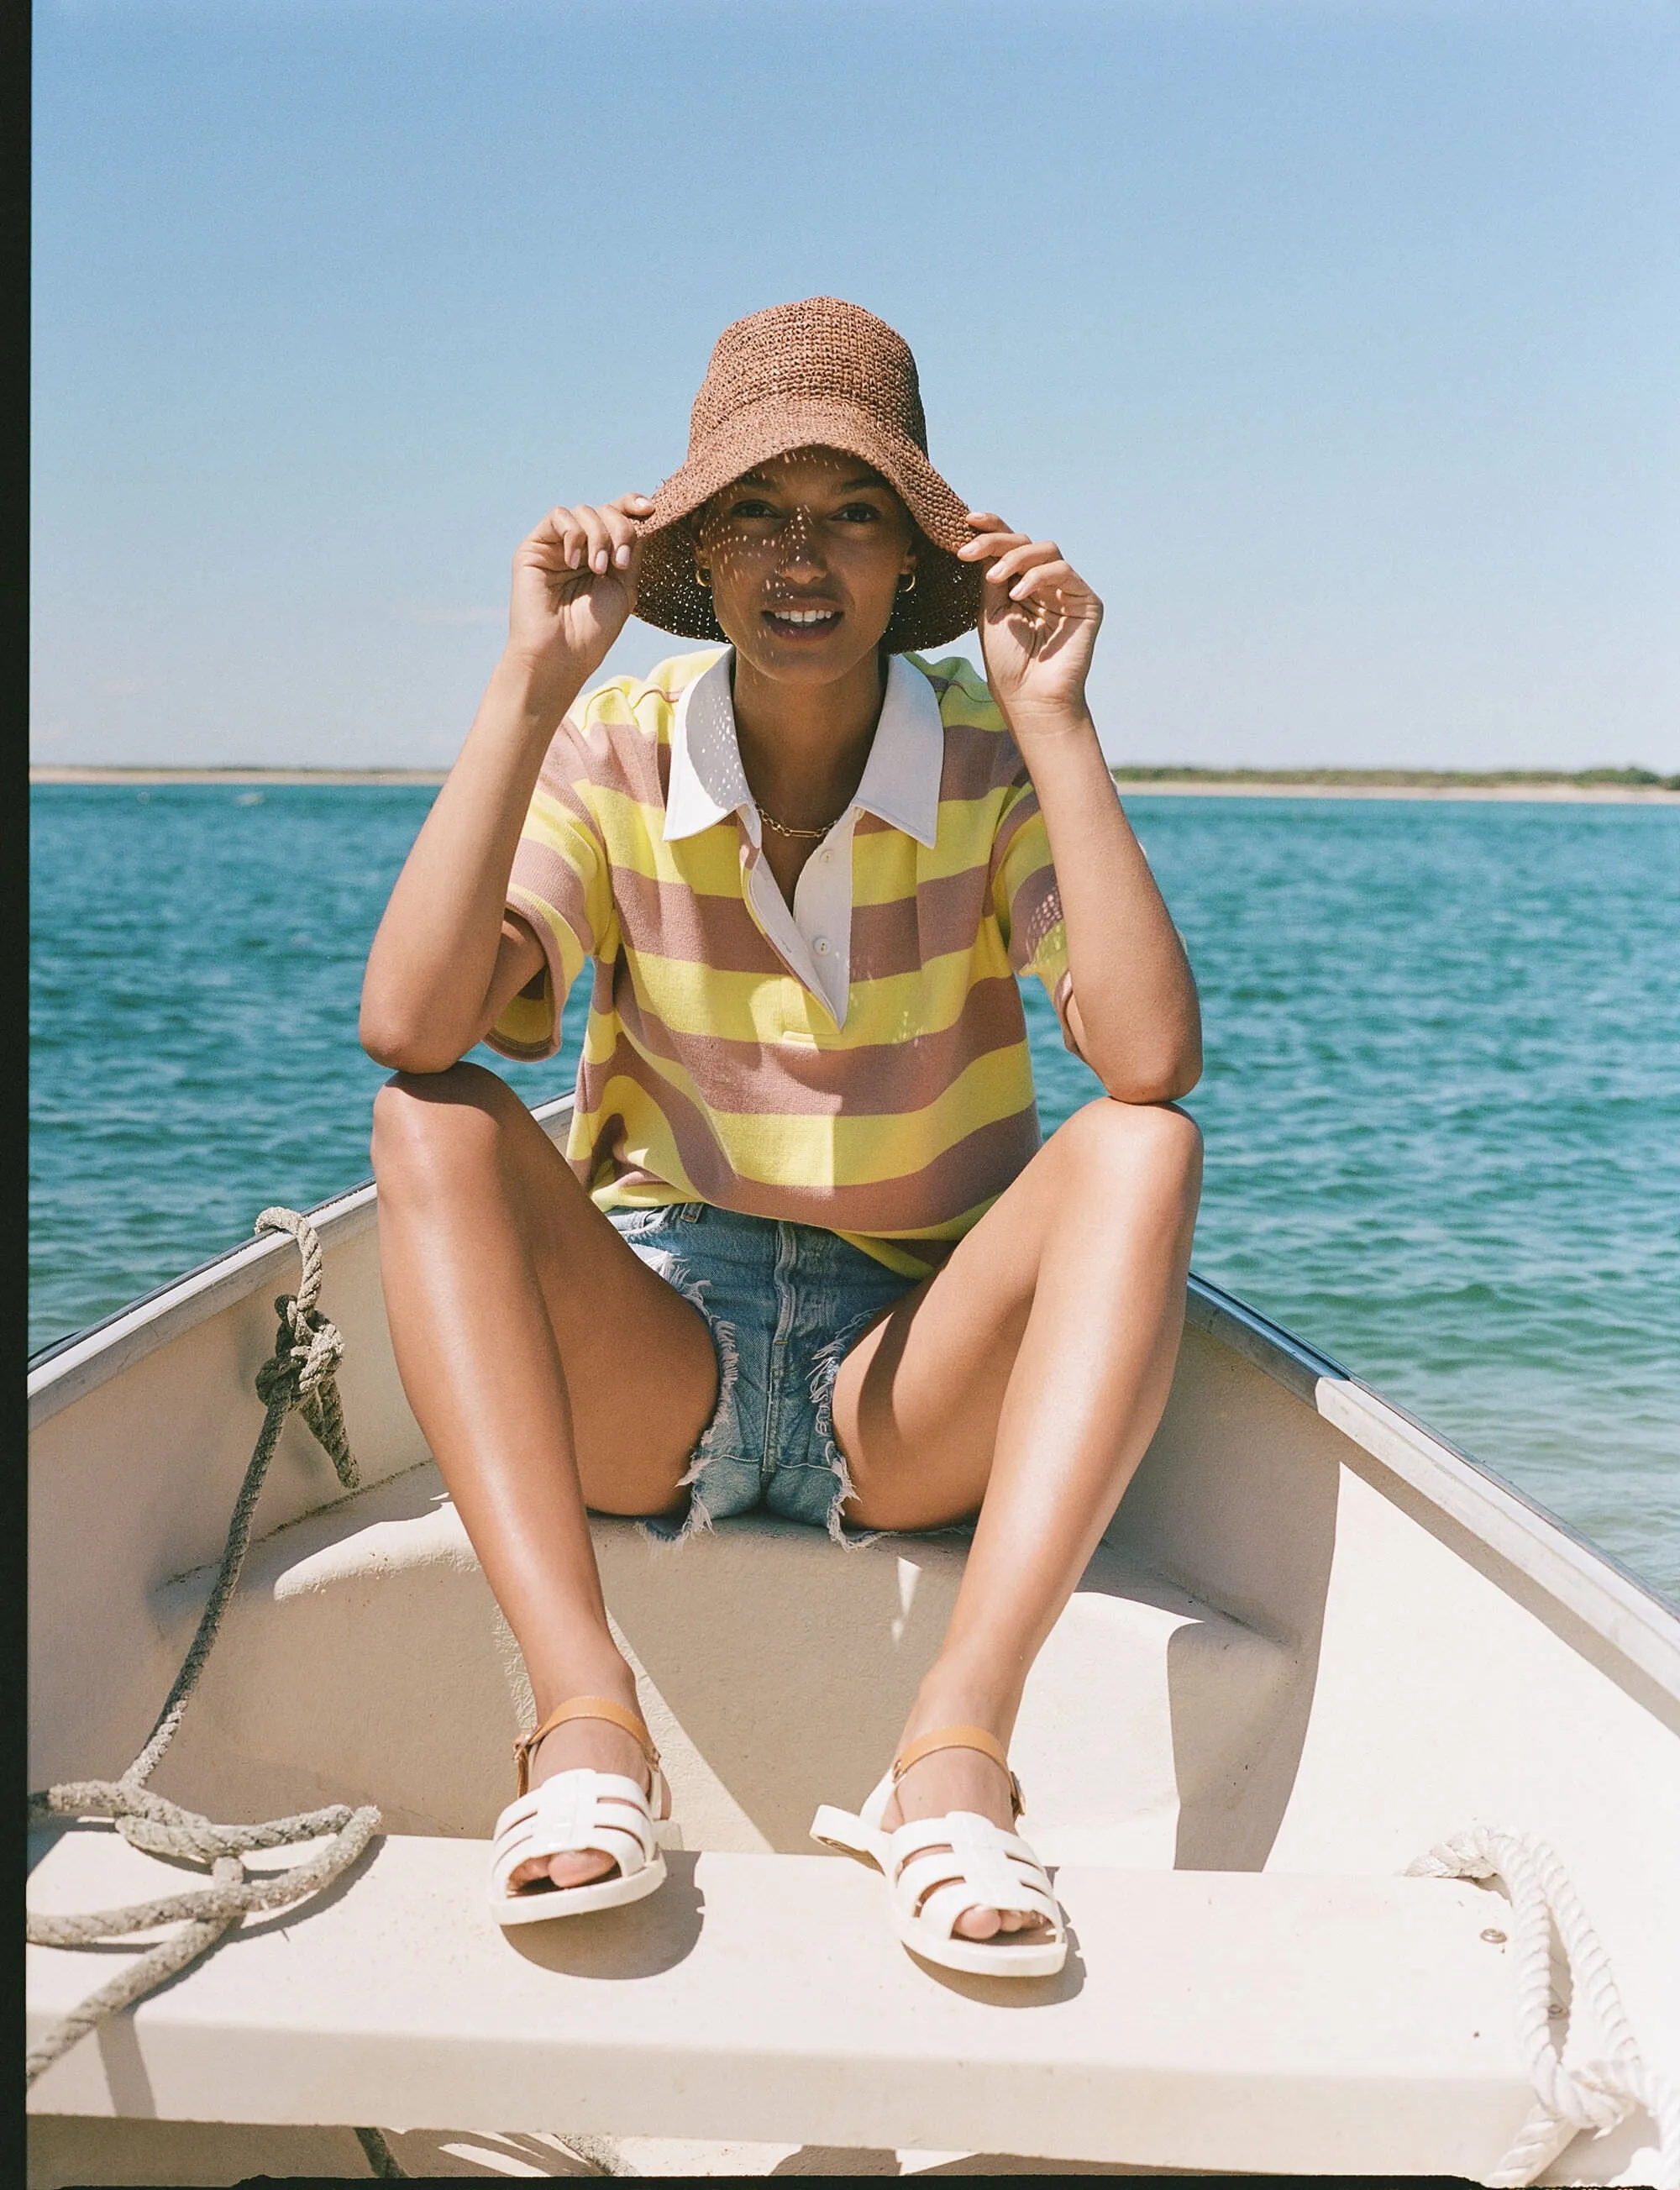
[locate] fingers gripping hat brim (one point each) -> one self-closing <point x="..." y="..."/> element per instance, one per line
<point x="747" y="414"/>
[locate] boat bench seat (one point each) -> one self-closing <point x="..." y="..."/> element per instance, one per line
<point x="363" y="1660"/>
<point x="1205" y="2019"/>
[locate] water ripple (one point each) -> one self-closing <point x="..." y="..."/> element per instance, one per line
<point x="1442" y="1103"/>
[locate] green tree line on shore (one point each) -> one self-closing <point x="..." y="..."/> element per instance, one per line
<point x="1422" y="778"/>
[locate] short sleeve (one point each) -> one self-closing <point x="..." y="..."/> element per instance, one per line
<point x="1026" y="901"/>
<point x="561" y="884"/>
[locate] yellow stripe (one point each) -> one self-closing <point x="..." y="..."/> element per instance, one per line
<point x="648" y="1142"/>
<point x="566" y="943"/>
<point x="692" y="999"/>
<point x="897" y="1250"/>
<point x="898" y="1007"/>
<point x="903" y="1260"/>
<point x="616" y="703"/>
<point x="552" y="821"/>
<point x="1028" y="855"/>
<point x="1049" y="962"/>
<point x="527" y="1022"/>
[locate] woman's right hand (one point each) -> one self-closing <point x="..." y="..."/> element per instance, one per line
<point x="574" y="585"/>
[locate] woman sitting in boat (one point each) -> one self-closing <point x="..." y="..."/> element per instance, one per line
<point x="805" y="1253"/>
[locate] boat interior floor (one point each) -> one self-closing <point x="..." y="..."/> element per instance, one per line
<point x="363" y="1660"/>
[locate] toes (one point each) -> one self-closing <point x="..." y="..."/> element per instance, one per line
<point x="582" y="1870"/>
<point x="560" y="1870"/>
<point x="990" y="1923"/>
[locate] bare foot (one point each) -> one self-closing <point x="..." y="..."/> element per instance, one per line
<point x="962" y="1779"/>
<point x="604" y="1747"/>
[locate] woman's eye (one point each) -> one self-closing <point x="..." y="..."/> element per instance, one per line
<point x="750" y="505"/>
<point x="860" y="513"/>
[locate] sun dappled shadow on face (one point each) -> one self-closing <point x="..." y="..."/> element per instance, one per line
<point x="805" y="557"/>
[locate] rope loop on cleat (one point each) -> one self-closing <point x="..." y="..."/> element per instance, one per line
<point x="1568" y="2101"/>
<point x="301" y="1373"/>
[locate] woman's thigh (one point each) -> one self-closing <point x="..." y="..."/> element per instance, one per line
<point x="476" y="1202"/>
<point x="918" y="1399"/>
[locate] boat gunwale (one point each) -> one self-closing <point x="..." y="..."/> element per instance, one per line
<point x="1583" y="1579"/>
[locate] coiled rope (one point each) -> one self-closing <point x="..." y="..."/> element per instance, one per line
<point x="300" y="1373"/>
<point x="1600" y="2093"/>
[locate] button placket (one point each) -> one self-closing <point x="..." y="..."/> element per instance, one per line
<point x="823" y="909"/>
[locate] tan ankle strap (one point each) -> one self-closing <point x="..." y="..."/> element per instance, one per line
<point x="960" y="1737"/>
<point x="601" y="1707"/>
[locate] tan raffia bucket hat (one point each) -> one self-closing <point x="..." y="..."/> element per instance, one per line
<point x="819" y="374"/>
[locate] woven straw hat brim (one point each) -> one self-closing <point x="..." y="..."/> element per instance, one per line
<point x="947" y="599"/>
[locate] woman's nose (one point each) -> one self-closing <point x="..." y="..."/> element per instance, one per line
<point x="798" y="544"/>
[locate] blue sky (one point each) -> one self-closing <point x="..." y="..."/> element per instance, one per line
<point x="1338" y="343"/>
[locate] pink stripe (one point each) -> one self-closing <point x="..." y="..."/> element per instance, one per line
<point x="565" y="765"/>
<point x="672" y="919"/>
<point x="620" y="756"/>
<point x="1034" y="910"/>
<point x="977" y="762"/>
<point x="1023" y="811"/>
<point x="900" y="936"/>
<point x="539" y="872"/>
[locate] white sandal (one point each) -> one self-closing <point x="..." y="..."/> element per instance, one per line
<point x="601" y="1813"/>
<point x="939" y="1868"/>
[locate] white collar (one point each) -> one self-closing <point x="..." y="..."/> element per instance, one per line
<point x="900" y="781"/>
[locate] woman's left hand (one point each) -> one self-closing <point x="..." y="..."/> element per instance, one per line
<point x="1038" y="627"/>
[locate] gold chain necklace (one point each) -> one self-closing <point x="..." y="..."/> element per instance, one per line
<point x="786" y="829"/>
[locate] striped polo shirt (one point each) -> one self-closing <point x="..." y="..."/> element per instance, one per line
<point x="858" y="1060"/>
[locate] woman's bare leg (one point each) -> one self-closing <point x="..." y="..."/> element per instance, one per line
<point x="550" y="1370"/>
<point x="1026" y="1379"/>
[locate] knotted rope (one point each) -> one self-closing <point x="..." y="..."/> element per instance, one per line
<point x="1598" y="2094"/>
<point x="300" y="1374"/>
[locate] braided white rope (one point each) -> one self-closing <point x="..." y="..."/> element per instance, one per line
<point x="300" y="1373"/>
<point x="1600" y="2093"/>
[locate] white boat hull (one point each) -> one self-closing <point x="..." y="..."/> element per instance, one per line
<point x="1315" y="1641"/>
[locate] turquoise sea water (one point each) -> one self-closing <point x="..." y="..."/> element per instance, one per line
<point x="1442" y="1102"/>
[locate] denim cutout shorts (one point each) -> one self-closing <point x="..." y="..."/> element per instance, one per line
<point x="785" y="1303"/>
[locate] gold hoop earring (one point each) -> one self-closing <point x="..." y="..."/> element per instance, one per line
<point x="906" y="585"/>
<point x="702" y="580"/>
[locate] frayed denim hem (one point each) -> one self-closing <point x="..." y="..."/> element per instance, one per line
<point x="665" y="1535"/>
<point x="785" y="1303"/>
<point x="825" y="1367"/>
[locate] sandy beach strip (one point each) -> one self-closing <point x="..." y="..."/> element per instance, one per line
<point x="1564" y="794"/>
<point x="141" y="777"/>
<point x="1561" y="793"/>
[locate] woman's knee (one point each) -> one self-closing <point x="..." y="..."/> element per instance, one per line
<point x="1111" y="1143"/>
<point x="427" y="1122"/>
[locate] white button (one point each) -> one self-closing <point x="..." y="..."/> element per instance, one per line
<point x="823" y="857"/>
<point x="822" y="946"/>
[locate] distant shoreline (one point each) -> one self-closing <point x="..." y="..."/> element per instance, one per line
<point x="68" y="773"/>
<point x="1551" y="794"/>
<point x="1141" y="783"/>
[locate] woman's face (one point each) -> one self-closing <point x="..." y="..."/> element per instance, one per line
<point x="804" y="556"/>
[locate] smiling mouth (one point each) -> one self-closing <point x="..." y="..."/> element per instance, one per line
<point x="802" y="623"/>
